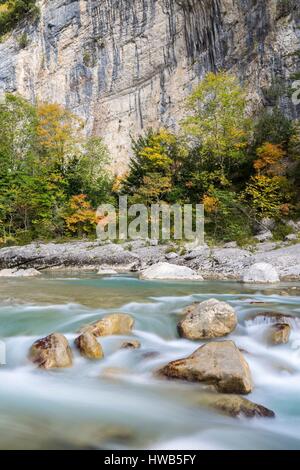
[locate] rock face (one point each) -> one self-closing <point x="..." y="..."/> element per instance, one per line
<point x="53" y="351"/>
<point x="217" y="363"/>
<point x="279" y="333"/>
<point x="171" y="272"/>
<point x="114" y="324"/>
<point x="234" y="405"/>
<point x="209" y="319"/>
<point x="261" y="273"/>
<point x="89" y="346"/>
<point x="124" y="66"/>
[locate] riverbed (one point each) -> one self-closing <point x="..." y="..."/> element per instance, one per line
<point x="118" y="402"/>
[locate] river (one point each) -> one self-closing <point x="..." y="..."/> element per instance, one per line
<point x="118" y="403"/>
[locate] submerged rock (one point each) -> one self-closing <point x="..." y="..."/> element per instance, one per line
<point x="279" y="333"/>
<point x="170" y="271"/>
<point x="217" y="363"/>
<point x="234" y="405"/>
<point x="53" y="351"/>
<point x="209" y="319"/>
<point x="31" y="272"/>
<point x="132" y="344"/>
<point x="114" y="324"/>
<point x="261" y="273"/>
<point x="268" y="318"/>
<point x="89" y="346"/>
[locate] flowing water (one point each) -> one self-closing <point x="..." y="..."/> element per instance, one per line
<point x="118" y="403"/>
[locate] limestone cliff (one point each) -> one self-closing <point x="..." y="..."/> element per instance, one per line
<point x="125" y="65"/>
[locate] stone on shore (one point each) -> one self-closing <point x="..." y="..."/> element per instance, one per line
<point x="168" y="271"/>
<point x="279" y="333"/>
<point x="106" y="271"/>
<point x="209" y="319"/>
<point x="53" y="351"/>
<point x="264" y="236"/>
<point x="261" y="273"/>
<point x="30" y="272"/>
<point x="89" y="346"/>
<point x="220" y="364"/>
<point x="113" y="324"/>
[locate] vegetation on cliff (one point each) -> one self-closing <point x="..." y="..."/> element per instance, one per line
<point x="12" y="11"/>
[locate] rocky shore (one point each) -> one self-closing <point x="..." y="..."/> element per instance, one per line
<point x="266" y="262"/>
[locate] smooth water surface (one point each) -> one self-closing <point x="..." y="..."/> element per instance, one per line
<point x="118" y="403"/>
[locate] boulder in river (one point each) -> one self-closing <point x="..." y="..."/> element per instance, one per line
<point x="30" y="272"/>
<point x="168" y="271"/>
<point x="208" y="319"/>
<point x="89" y="346"/>
<point x="217" y="363"/>
<point x="261" y="273"/>
<point x="279" y="333"/>
<point x="234" y="405"/>
<point x="113" y="324"/>
<point x="53" y="351"/>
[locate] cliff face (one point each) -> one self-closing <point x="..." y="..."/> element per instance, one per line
<point x="125" y="65"/>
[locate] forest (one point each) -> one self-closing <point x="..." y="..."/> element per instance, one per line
<point x="243" y="168"/>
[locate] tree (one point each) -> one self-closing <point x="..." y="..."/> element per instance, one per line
<point x="155" y="167"/>
<point x="217" y="122"/>
<point x="58" y="133"/>
<point x="80" y="217"/>
<point x="269" y="160"/>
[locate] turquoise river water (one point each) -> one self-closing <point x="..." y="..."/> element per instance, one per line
<point x="118" y="403"/>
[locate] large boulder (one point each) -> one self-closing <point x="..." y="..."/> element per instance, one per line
<point x="261" y="273"/>
<point x="89" y="346"/>
<point x="30" y="272"/>
<point x="279" y="333"/>
<point x="209" y="319"/>
<point x="234" y="405"/>
<point x="113" y="324"/>
<point x="53" y="351"/>
<point x="170" y="271"/>
<point x="217" y="363"/>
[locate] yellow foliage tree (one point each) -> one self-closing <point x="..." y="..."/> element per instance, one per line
<point x="269" y="160"/>
<point x="80" y="218"/>
<point x="58" y="131"/>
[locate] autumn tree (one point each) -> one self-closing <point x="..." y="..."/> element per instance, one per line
<point x="216" y="121"/>
<point x="58" y="132"/>
<point x="155" y="167"/>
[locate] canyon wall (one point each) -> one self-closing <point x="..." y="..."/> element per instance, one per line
<point x="126" y="65"/>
